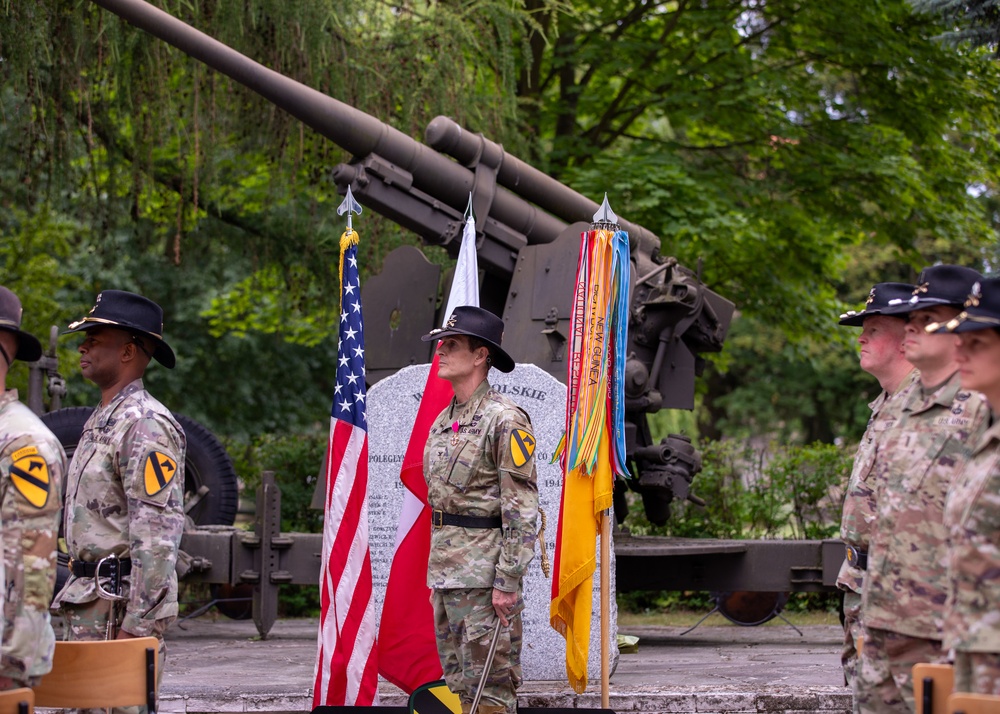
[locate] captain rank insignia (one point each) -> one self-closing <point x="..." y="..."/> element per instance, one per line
<point x="29" y="473"/>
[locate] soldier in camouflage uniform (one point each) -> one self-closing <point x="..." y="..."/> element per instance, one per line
<point x="124" y="495"/>
<point x="902" y="603"/>
<point x="32" y="468"/>
<point x="881" y="355"/>
<point x="972" y="511"/>
<point x="483" y="489"/>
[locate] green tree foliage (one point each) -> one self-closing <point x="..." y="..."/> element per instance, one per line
<point x="797" y="391"/>
<point x="784" y="144"/>
<point x="774" y="139"/>
<point x="975" y="21"/>
<point x="761" y="491"/>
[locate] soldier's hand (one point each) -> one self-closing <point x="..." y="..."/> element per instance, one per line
<point x="122" y="635"/>
<point x="503" y="603"/>
<point x="8" y="683"/>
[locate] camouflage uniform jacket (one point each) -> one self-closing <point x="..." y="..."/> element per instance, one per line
<point x="906" y="581"/>
<point x="33" y="466"/>
<point x="478" y="462"/>
<point x="125" y="495"/>
<point x="859" y="502"/>
<point x="972" y="515"/>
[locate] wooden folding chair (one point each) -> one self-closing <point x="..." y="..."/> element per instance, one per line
<point x="92" y="675"/>
<point x="932" y="684"/>
<point x="973" y="703"/>
<point x="17" y="701"/>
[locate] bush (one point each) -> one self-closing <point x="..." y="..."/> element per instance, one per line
<point x="751" y="492"/>
<point x="296" y="460"/>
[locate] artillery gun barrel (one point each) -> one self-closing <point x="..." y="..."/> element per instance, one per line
<point x="348" y="127"/>
<point x="447" y="136"/>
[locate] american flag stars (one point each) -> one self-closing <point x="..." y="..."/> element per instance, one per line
<point x="349" y="393"/>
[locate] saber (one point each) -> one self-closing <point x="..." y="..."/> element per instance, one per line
<point x="486" y="669"/>
<point x="492" y="652"/>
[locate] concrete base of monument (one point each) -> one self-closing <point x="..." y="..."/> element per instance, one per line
<point x="219" y="665"/>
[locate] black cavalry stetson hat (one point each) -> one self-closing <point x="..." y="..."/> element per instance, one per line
<point x="29" y="348"/>
<point x="878" y="301"/>
<point x="980" y="312"/>
<point x="130" y="312"/>
<point x="937" y="285"/>
<point x="476" y="322"/>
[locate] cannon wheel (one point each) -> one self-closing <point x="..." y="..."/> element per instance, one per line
<point x="205" y="464"/>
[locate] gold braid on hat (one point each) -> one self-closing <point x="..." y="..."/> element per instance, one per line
<point x="974" y="296"/>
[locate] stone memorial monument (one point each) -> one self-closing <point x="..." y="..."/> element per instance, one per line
<point x="392" y="410"/>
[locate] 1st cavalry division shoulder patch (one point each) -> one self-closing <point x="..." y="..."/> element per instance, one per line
<point x="522" y="446"/>
<point x="30" y="475"/>
<point x="159" y="471"/>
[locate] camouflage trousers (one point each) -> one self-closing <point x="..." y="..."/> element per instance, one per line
<point x="852" y="631"/>
<point x="89" y="621"/>
<point x="884" y="680"/>
<point x="977" y="672"/>
<point x="464" y="621"/>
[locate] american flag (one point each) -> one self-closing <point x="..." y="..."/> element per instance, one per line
<point x="346" y="662"/>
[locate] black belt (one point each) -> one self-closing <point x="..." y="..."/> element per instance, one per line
<point x="88" y="570"/>
<point x="857" y="557"/>
<point x="440" y="518"/>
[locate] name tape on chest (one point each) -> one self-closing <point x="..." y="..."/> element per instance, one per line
<point x="522" y="446"/>
<point x="30" y="475"/>
<point x="158" y="472"/>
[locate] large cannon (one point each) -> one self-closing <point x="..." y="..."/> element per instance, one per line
<point x="529" y="226"/>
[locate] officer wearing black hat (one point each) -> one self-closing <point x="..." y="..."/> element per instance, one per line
<point x="32" y="467"/>
<point x="902" y="604"/>
<point x="483" y="489"/>
<point x="881" y="355"/>
<point x="124" y="505"/>
<point x="972" y="511"/>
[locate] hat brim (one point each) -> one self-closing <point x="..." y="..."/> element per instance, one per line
<point x="855" y="320"/>
<point x="161" y="350"/>
<point x="858" y="318"/>
<point x="918" y="304"/>
<point x="29" y="349"/>
<point x="501" y="360"/>
<point x="966" y="322"/>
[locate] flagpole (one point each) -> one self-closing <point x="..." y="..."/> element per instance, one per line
<point x="595" y="445"/>
<point x="408" y="654"/>
<point x="605" y="609"/>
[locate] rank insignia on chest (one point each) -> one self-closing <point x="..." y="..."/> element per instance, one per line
<point x="522" y="446"/>
<point x="30" y="475"/>
<point x="159" y="471"/>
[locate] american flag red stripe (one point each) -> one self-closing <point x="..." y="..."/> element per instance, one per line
<point x="347" y="661"/>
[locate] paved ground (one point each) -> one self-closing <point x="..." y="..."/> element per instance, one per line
<point x="220" y="665"/>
